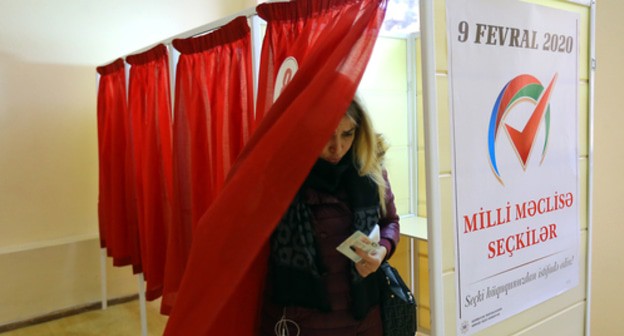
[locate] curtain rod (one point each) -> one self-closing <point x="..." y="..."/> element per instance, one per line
<point x="203" y="29"/>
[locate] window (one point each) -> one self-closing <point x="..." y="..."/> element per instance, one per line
<point x="390" y="92"/>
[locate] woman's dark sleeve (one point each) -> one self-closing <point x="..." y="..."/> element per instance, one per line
<point x="389" y="223"/>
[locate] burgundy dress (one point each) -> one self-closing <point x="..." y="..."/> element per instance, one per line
<point x="333" y="222"/>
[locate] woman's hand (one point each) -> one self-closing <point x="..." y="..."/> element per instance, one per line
<point x="370" y="261"/>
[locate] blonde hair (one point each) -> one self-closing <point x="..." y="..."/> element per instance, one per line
<point x="369" y="149"/>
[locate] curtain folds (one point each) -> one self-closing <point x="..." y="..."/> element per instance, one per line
<point x="329" y="44"/>
<point x="118" y="228"/>
<point x="213" y="116"/>
<point x="149" y="107"/>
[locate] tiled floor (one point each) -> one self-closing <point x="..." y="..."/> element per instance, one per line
<point x="117" y="320"/>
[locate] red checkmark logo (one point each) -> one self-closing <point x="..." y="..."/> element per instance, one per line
<point x="523" y="140"/>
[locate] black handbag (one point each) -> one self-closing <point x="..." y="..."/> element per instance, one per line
<point x="398" y="307"/>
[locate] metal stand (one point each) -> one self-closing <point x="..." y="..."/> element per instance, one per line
<point x="103" y="277"/>
<point x="142" y="304"/>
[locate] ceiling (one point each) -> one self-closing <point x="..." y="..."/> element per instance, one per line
<point x="89" y="32"/>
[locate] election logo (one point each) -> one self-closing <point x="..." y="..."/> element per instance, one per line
<point x="285" y="74"/>
<point x="522" y="89"/>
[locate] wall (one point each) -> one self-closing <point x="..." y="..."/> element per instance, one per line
<point x="48" y="160"/>
<point x="607" y="273"/>
<point x="49" y="252"/>
<point x="564" y="314"/>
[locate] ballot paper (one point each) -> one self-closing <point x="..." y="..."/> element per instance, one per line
<point x="361" y="240"/>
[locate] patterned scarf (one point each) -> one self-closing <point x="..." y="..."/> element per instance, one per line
<point x="293" y="244"/>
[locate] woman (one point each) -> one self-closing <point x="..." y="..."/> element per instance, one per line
<point x="312" y="289"/>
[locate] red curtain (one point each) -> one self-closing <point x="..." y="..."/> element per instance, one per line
<point x="213" y="114"/>
<point x="118" y="230"/>
<point x="149" y="106"/>
<point x="332" y="41"/>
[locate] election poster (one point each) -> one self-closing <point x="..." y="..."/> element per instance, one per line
<point x="513" y="81"/>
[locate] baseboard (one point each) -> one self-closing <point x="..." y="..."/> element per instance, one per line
<point x="64" y="313"/>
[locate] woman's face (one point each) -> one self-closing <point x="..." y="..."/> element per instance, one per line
<point x="340" y="142"/>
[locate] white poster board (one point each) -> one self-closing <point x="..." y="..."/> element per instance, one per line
<point x="513" y="76"/>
